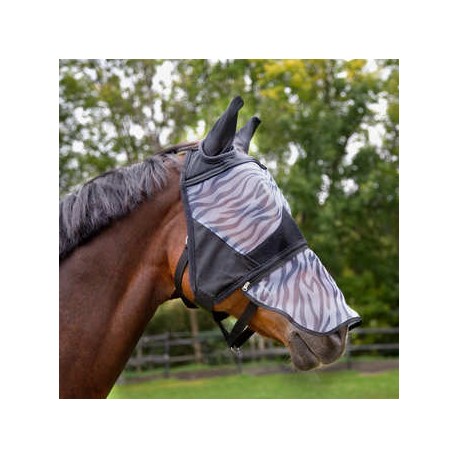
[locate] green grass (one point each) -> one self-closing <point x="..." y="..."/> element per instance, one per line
<point x="312" y="385"/>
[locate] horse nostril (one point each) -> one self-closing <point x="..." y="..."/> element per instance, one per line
<point x="333" y="346"/>
<point x="316" y="349"/>
<point x="302" y="356"/>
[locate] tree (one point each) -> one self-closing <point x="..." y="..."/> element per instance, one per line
<point x="112" y="113"/>
<point x="319" y="119"/>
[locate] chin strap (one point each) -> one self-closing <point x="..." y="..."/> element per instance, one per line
<point x="241" y="331"/>
<point x="178" y="279"/>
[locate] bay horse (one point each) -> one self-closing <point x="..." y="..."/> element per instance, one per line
<point x="121" y="238"/>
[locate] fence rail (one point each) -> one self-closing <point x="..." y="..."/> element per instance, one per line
<point x="169" y="349"/>
<point x="354" y="346"/>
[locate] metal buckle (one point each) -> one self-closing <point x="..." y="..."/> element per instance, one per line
<point x="236" y="351"/>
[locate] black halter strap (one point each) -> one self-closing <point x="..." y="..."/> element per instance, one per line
<point x="179" y="272"/>
<point x="241" y="331"/>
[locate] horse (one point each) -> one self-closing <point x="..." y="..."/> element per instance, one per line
<point x="122" y="235"/>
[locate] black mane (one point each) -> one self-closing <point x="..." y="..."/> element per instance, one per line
<point x="110" y="196"/>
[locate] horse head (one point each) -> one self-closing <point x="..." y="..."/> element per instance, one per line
<point x="123" y="252"/>
<point x="247" y="257"/>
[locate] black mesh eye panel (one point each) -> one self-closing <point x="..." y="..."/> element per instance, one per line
<point x="287" y="235"/>
<point x="216" y="269"/>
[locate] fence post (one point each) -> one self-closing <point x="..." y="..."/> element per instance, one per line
<point x="237" y="353"/>
<point x="195" y="335"/>
<point x="348" y="355"/>
<point x="167" y="355"/>
<point x="139" y="355"/>
<point x="262" y="347"/>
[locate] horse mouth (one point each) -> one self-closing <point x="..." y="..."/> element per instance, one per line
<point x="309" y="351"/>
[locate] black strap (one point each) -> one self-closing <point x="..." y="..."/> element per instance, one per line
<point x="179" y="272"/>
<point x="241" y="331"/>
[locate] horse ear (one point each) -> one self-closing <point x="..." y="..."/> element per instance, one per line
<point x="245" y="134"/>
<point x="220" y="138"/>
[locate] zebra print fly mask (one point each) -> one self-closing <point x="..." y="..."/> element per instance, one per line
<point x="241" y="236"/>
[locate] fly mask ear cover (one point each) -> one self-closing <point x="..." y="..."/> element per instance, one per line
<point x="241" y="235"/>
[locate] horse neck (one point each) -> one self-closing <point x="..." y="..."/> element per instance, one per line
<point x="109" y="290"/>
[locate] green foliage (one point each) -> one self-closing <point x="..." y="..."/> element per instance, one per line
<point x="173" y="316"/>
<point x="319" y="119"/>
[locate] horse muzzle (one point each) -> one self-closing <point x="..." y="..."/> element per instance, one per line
<point x="309" y="351"/>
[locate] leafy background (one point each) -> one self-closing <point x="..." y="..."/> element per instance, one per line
<point x="329" y="132"/>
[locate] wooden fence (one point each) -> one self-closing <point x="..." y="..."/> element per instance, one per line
<point x="167" y="350"/>
<point x="383" y="340"/>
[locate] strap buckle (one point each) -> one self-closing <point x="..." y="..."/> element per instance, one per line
<point x="236" y="351"/>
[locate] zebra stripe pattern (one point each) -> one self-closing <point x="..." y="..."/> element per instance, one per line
<point x="243" y="206"/>
<point x="303" y="290"/>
